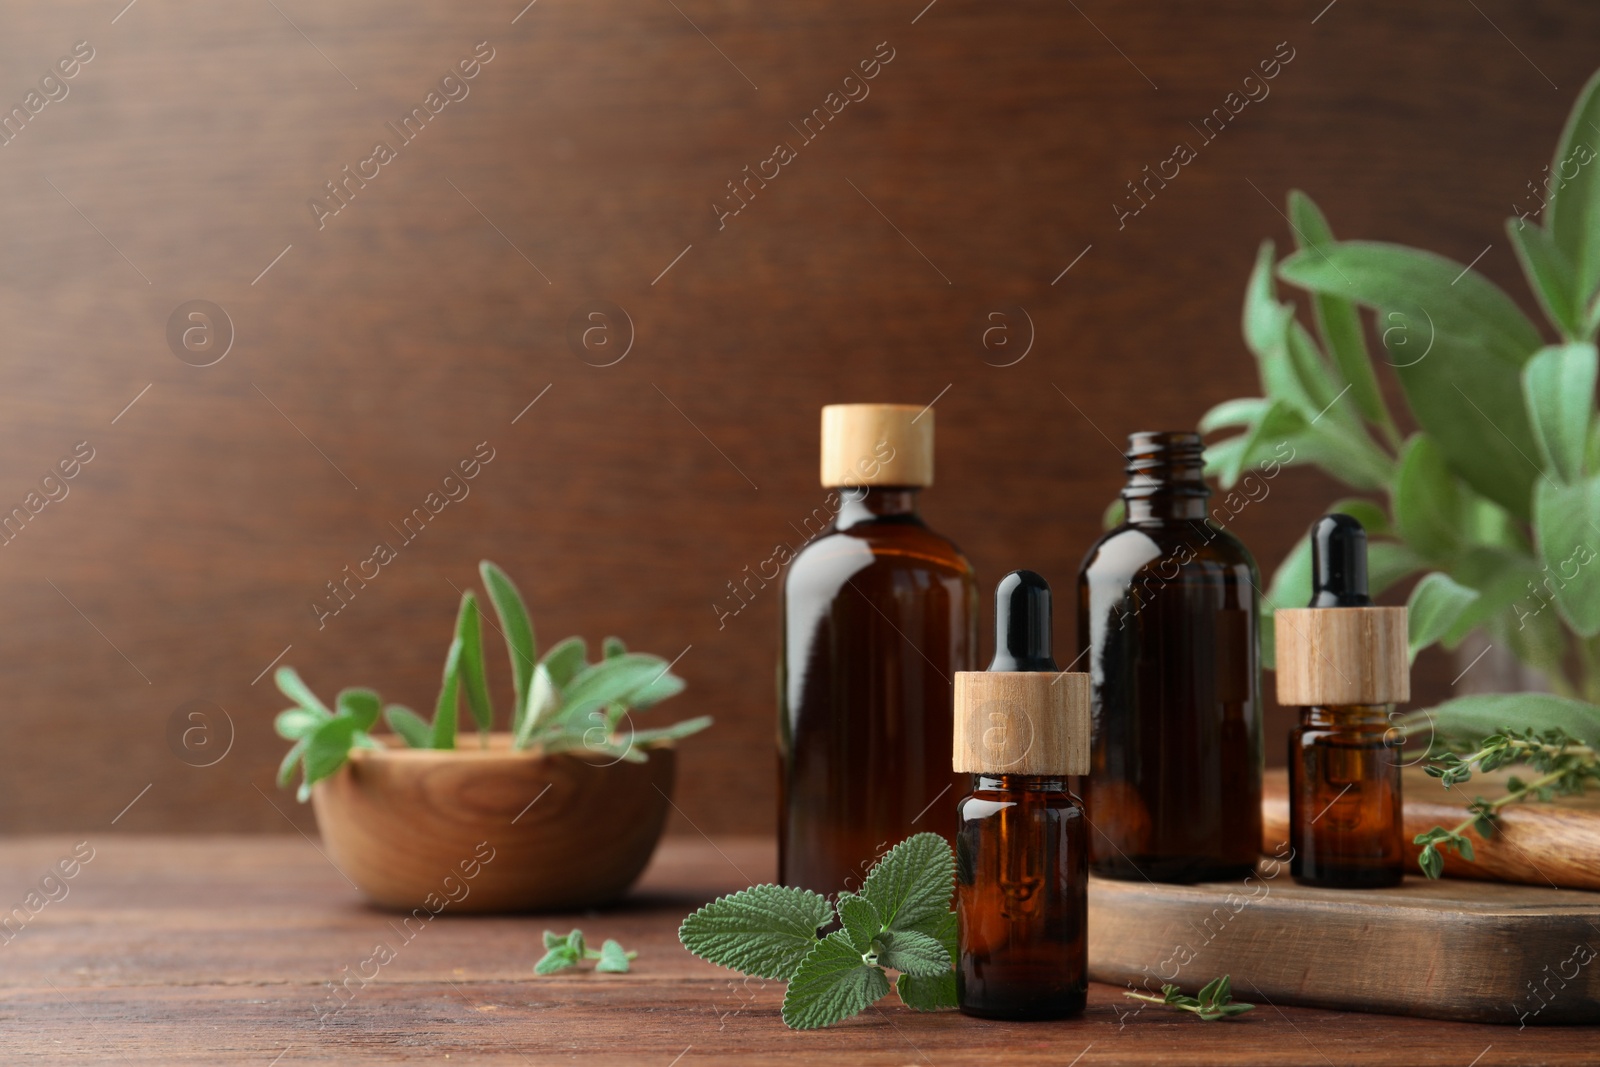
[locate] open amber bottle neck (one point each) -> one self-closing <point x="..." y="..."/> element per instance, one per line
<point x="1166" y="478"/>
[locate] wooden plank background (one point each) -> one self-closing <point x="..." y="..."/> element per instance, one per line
<point x="369" y="356"/>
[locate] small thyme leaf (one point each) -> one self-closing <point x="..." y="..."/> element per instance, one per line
<point x="1214" y="1002"/>
<point x="1564" y="766"/>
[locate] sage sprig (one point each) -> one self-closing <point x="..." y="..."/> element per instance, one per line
<point x="900" y="921"/>
<point x="563" y="703"/>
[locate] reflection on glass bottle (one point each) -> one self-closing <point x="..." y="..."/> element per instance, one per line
<point x="879" y="613"/>
<point x="1167" y="622"/>
<point x="1022" y="876"/>
<point x="1343" y="662"/>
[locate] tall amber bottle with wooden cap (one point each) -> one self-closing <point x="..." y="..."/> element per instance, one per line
<point x="879" y="613"/>
<point x="1344" y="664"/>
<point x="1022" y="871"/>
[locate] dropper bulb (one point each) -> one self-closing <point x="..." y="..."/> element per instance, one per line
<point x="1022" y="624"/>
<point x="1338" y="563"/>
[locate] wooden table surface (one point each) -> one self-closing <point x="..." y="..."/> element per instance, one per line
<point x="216" y="950"/>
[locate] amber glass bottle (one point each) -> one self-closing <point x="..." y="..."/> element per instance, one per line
<point x="878" y="615"/>
<point x="1167" y="625"/>
<point x="1342" y="661"/>
<point x="1021" y="850"/>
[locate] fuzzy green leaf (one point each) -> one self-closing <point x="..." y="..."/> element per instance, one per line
<point x="1229" y="413"/>
<point x="290" y="759"/>
<point x="553" y="939"/>
<point x="1574" y="211"/>
<point x="613" y="960"/>
<point x="913" y="883"/>
<point x="474" y="680"/>
<point x="1466" y="720"/>
<point x="361" y="705"/>
<point x="328" y="747"/>
<point x="927" y="994"/>
<point x="861" y="921"/>
<point x="1559" y="384"/>
<point x="1457" y="343"/>
<point x="832" y="983"/>
<point x="447" y="708"/>
<point x="557" y="959"/>
<point x="409" y="725"/>
<point x="612" y="647"/>
<point x="610" y="680"/>
<point x="1549" y="273"/>
<point x="765" y="930"/>
<point x="564" y="660"/>
<point x="290" y="685"/>
<point x="294" y="723"/>
<point x="1427" y="500"/>
<point x="914" y="953"/>
<point x="516" y="626"/>
<point x="1567" y="526"/>
<point x="1436" y="604"/>
<point x="675" y="732"/>
<point x="1337" y="319"/>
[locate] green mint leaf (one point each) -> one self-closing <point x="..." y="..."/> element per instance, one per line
<point x="515" y="625"/>
<point x="553" y="939"/>
<point x="914" y="953"/>
<point x="613" y="960"/>
<point x="831" y="983"/>
<point x="941" y="928"/>
<point x="861" y="920"/>
<point x="927" y="994"/>
<point x="913" y="883"/>
<point x="409" y="725"/>
<point x="765" y="931"/>
<point x="290" y="685"/>
<point x="557" y="959"/>
<point x="575" y="943"/>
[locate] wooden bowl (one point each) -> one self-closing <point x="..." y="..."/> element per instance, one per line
<point x="492" y="829"/>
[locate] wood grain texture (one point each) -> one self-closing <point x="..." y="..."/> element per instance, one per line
<point x="218" y="950"/>
<point x="1336" y="657"/>
<point x="492" y="829"/>
<point x="1543" y="844"/>
<point x="1021" y="722"/>
<point x="427" y="315"/>
<point x="1470" y="951"/>
<point x="877" y="444"/>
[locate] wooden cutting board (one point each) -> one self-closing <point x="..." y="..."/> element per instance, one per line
<point x="1448" y="949"/>
<point x="1543" y="844"/>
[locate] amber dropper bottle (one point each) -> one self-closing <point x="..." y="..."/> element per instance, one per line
<point x="879" y="612"/>
<point x="1022" y="872"/>
<point x="1343" y="663"/>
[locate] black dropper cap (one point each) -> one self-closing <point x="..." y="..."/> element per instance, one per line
<point x="1022" y="624"/>
<point x="1338" y="563"/>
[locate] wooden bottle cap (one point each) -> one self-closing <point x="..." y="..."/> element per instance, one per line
<point x="877" y="444"/>
<point x="1021" y="722"/>
<point x="1335" y="657"/>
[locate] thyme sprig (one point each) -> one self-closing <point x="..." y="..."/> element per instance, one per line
<point x="1563" y="766"/>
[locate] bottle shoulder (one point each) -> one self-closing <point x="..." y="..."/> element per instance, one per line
<point x="898" y="545"/>
<point x="1185" y="544"/>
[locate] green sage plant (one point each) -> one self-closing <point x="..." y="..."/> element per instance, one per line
<point x="900" y="921"/>
<point x="1492" y="501"/>
<point x="561" y="702"/>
